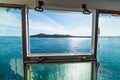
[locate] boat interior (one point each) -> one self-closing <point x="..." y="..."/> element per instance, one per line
<point x="88" y="62"/>
<point x="71" y="5"/>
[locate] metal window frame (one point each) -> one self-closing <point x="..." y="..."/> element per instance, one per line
<point x="23" y="22"/>
<point x="107" y="11"/>
<point x="93" y="49"/>
<point x="65" y="58"/>
<point x="66" y="54"/>
<point x="96" y="24"/>
<point x="54" y="58"/>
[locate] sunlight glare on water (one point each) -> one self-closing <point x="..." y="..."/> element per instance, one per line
<point x="76" y="45"/>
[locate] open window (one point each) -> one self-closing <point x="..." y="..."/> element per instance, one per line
<point x="11" y="57"/>
<point x="59" y="33"/>
<point x="108" y="45"/>
<point x="60" y="45"/>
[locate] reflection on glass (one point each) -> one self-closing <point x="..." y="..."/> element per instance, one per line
<point x="55" y="32"/>
<point x="11" y="63"/>
<point x="69" y="71"/>
<point x="109" y="47"/>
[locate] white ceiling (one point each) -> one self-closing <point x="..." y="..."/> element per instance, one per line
<point x="72" y="5"/>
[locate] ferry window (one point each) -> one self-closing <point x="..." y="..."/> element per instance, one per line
<point x="109" y="45"/>
<point x="11" y="59"/>
<point x="60" y="45"/>
<point x="47" y="46"/>
<point x="60" y="32"/>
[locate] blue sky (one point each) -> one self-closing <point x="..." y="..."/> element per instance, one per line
<point x="10" y="22"/>
<point x="109" y="25"/>
<point x="60" y="23"/>
<point x="56" y="23"/>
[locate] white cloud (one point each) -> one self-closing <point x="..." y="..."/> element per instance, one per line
<point x="10" y="19"/>
<point x="109" y="26"/>
<point x="83" y="31"/>
<point x="40" y="24"/>
<point x="10" y="23"/>
<point x="47" y="25"/>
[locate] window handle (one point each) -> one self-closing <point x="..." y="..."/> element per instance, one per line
<point x="83" y="58"/>
<point x="40" y="59"/>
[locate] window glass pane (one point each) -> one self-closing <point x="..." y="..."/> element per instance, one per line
<point x="109" y="47"/>
<point x="11" y="63"/>
<point x="69" y="71"/>
<point x="59" y="32"/>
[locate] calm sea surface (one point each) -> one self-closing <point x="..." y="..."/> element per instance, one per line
<point x="11" y="66"/>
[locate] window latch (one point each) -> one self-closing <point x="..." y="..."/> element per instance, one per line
<point x="40" y="59"/>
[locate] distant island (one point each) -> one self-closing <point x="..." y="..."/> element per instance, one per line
<point x="42" y="35"/>
<point x="109" y="36"/>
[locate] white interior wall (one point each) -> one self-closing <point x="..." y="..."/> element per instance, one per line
<point x="73" y="5"/>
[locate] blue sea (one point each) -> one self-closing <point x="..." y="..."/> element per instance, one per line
<point x="11" y="65"/>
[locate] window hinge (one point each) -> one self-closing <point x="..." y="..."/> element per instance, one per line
<point x="40" y="59"/>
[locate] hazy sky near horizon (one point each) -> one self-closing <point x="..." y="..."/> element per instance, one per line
<point x="109" y="25"/>
<point x="46" y="22"/>
<point x="56" y="23"/>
